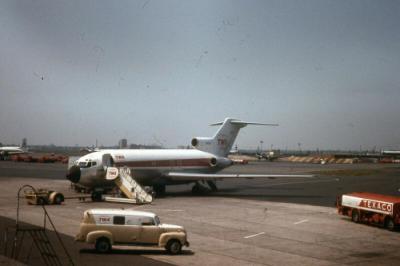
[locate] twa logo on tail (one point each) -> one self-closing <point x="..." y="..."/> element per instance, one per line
<point x="222" y="142"/>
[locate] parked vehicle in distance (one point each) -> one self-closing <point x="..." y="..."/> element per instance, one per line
<point x="43" y="196"/>
<point x="107" y="227"/>
<point x="371" y="208"/>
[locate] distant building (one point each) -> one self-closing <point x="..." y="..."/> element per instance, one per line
<point x="123" y="143"/>
<point x="24" y="143"/>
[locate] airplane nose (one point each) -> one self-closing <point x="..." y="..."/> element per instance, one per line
<point x="74" y="174"/>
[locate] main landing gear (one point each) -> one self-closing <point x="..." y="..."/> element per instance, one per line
<point x="213" y="185"/>
<point x="202" y="188"/>
<point x="159" y="190"/>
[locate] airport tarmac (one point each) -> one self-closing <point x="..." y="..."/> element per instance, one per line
<point x="290" y="221"/>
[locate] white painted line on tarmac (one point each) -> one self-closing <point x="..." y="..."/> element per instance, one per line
<point x="250" y="236"/>
<point x="302" y="221"/>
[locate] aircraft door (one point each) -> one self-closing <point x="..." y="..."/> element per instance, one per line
<point x="107" y="160"/>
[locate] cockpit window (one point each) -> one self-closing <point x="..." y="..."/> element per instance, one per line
<point x="84" y="164"/>
<point x="87" y="164"/>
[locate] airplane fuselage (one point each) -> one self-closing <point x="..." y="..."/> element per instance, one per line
<point x="12" y="150"/>
<point x="5" y="152"/>
<point x="148" y="167"/>
<point x="159" y="168"/>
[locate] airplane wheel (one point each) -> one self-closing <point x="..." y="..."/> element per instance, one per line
<point x="200" y="189"/>
<point x="212" y="185"/>
<point x="196" y="189"/>
<point x="97" y="196"/>
<point x="159" y="190"/>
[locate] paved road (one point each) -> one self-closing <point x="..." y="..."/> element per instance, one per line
<point x="332" y="180"/>
<point x="264" y="229"/>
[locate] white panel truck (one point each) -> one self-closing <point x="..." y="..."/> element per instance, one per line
<point x="108" y="227"/>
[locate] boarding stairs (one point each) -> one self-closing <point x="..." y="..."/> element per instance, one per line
<point x="128" y="185"/>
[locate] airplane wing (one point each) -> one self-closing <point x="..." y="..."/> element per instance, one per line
<point x="199" y="176"/>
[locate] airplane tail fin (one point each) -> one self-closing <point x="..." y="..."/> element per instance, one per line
<point x="221" y="143"/>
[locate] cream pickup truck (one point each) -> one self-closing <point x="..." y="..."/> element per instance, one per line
<point x="107" y="227"/>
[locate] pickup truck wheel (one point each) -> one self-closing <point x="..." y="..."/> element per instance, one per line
<point x="389" y="224"/>
<point x="355" y="216"/>
<point x="103" y="245"/>
<point x="174" y="247"/>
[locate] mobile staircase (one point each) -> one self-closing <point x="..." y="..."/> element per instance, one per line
<point x="128" y="185"/>
<point x="24" y="238"/>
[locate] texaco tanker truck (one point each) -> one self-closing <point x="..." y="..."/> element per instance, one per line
<point x="371" y="208"/>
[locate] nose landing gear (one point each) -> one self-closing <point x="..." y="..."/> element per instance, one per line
<point x="159" y="190"/>
<point x="97" y="196"/>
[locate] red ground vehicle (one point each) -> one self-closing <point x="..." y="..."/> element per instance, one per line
<point x="371" y="208"/>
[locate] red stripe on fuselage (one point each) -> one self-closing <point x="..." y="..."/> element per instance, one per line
<point x="165" y="163"/>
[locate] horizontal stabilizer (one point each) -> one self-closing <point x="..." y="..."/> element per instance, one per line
<point x="244" y="123"/>
<point x="200" y="176"/>
<point x="221" y="143"/>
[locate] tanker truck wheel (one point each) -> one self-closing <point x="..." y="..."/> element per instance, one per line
<point x="355" y="216"/>
<point x="389" y="224"/>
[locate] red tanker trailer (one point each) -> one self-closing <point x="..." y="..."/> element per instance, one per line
<point x="371" y="208"/>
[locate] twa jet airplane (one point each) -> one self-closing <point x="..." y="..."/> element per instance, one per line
<point x="158" y="168"/>
<point x="14" y="150"/>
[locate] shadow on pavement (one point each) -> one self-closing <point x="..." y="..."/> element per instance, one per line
<point x="136" y="251"/>
<point x="80" y="253"/>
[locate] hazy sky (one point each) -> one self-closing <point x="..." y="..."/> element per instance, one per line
<point x="161" y="71"/>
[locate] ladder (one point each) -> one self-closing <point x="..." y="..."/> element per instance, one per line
<point x="128" y="185"/>
<point x="39" y="239"/>
<point x="44" y="246"/>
